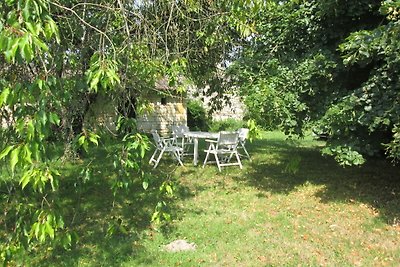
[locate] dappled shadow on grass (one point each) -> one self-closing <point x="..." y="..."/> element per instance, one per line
<point x="90" y="208"/>
<point x="376" y="183"/>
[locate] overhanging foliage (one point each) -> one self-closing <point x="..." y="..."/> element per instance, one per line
<point x="329" y="66"/>
<point x="56" y="58"/>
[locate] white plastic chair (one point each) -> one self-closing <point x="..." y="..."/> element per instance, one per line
<point x="165" y="145"/>
<point x="178" y="132"/>
<point x="243" y="135"/>
<point x="224" y="149"/>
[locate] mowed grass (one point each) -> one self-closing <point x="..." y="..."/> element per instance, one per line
<point x="288" y="206"/>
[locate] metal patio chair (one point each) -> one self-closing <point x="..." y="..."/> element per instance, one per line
<point x="178" y="132"/>
<point x="224" y="149"/>
<point x="165" y="145"/>
<point x="243" y="135"/>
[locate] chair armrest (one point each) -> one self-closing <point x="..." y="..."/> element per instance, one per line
<point x="211" y="141"/>
<point x="168" y="141"/>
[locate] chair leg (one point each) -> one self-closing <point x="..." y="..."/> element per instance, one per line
<point x="230" y="157"/>
<point x="217" y="160"/>
<point x="158" y="159"/>
<point x="205" y="160"/>
<point x="177" y="156"/>
<point x="152" y="157"/>
<point x="238" y="160"/>
<point x="245" y="151"/>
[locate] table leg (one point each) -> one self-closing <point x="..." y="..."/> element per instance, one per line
<point x="195" y="151"/>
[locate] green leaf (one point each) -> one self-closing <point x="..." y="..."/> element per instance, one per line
<point x="48" y="31"/>
<point x="28" y="154"/>
<point x="66" y="240"/>
<point x="50" y="218"/>
<point x="4" y="96"/>
<point x="42" y="236"/>
<point x="24" y="41"/>
<point x="5" y="151"/>
<point x="11" y="49"/>
<point x="95" y="80"/>
<point x="155" y="216"/>
<point x="42" y="117"/>
<point x="55" y="172"/>
<point x="25" y="11"/>
<point x="3" y="41"/>
<point x="81" y="140"/>
<point x="85" y="146"/>
<point x="20" y="125"/>
<point x="30" y="130"/>
<point x="166" y="216"/>
<point x="49" y="229"/>
<point x="28" y="53"/>
<point x="25" y="179"/>
<point x="25" y="47"/>
<point x="49" y="176"/>
<point x="145" y="185"/>
<point x="123" y="230"/>
<point x="40" y="44"/>
<point x="14" y="158"/>
<point x="35" y="229"/>
<point x="142" y="151"/>
<point x="54" y="28"/>
<point x="54" y="119"/>
<point x="36" y="151"/>
<point x="169" y="190"/>
<point x="40" y="83"/>
<point x="30" y="27"/>
<point x="93" y="138"/>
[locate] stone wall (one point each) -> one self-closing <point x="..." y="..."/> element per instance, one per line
<point x="163" y="114"/>
<point x="232" y="107"/>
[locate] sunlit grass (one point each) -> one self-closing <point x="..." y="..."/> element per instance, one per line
<point x="312" y="213"/>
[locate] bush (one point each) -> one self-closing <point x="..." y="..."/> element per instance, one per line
<point x="197" y="118"/>
<point x="226" y="125"/>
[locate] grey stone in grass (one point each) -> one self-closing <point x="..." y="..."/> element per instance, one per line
<point x="179" y="245"/>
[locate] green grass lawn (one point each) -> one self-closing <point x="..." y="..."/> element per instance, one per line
<point x="289" y="206"/>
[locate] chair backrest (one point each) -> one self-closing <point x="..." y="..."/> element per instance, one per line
<point x="243" y="133"/>
<point x="179" y="131"/>
<point x="157" y="139"/>
<point x="228" y="139"/>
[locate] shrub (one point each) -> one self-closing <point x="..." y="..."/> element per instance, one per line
<point x="197" y="118"/>
<point x="226" y="125"/>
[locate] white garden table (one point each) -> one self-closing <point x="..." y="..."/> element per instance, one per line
<point x="196" y="136"/>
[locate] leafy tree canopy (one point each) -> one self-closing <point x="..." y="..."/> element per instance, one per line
<point x="329" y="66"/>
<point x="57" y="57"/>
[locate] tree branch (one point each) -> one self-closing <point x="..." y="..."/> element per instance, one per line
<point x="87" y="24"/>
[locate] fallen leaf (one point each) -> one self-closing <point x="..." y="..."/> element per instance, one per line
<point x="262" y="258"/>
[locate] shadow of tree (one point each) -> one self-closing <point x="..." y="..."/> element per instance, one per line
<point x="376" y="183"/>
<point x="90" y="208"/>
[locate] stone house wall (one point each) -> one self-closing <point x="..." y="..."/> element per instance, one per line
<point x="164" y="112"/>
<point x="232" y="108"/>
